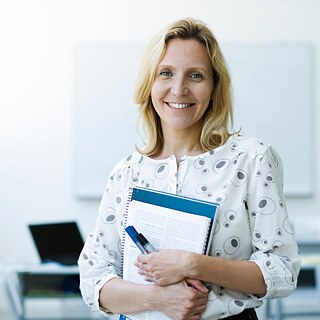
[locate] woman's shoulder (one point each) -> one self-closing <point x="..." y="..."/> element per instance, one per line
<point x="251" y="144"/>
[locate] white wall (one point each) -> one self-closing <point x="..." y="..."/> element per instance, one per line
<point x="37" y="38"/>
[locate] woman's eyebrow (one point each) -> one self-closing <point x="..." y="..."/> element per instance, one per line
<point x="193" y="68"/>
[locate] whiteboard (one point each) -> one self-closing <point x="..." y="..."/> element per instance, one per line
<point x="273" y="88"/>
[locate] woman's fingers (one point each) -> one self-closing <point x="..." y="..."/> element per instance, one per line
<point x="197" y="284"/>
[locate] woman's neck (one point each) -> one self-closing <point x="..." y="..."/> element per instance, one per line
<point x="180" y="143"/>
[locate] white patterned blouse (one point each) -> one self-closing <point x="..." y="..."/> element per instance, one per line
<point x="245" y="177"/>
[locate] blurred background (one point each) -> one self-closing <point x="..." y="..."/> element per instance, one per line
<point x="38" y="120"/>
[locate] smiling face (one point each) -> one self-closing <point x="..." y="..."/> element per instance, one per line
<point x="183" y="85"/>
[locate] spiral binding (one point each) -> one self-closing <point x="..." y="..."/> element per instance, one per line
<point x="125" y="218"/>
<point x="206" y="236"/>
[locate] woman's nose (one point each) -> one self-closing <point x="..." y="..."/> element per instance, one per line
<point x="179" y="88"/>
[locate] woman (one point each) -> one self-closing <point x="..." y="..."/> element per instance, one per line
<point x="184" y="99"/>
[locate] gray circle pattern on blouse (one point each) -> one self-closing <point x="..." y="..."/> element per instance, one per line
<point x="243" y="176"/>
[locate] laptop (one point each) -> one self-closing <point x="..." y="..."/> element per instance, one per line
<point x="57" y="242"/>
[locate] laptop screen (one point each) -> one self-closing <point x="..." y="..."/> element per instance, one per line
<point x="57" y="242"/>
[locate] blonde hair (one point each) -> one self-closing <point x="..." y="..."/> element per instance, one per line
<point x="219" y="113"/>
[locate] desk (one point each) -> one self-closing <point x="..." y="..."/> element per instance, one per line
<point x="41" y="281"/>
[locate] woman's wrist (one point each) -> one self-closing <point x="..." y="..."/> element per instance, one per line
<point x="151" y="294"/>
<point x="198" y="265"/>
<point x="192" y="262"/>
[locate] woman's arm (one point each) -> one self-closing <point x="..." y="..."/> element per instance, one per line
<point x="177" y="301"/>
<point x="169" y="266"/>
<point x="244" y="276"/>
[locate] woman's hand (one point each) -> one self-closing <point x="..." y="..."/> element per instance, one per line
<point x="164" y="267"/>
<point x="181" y="301"/>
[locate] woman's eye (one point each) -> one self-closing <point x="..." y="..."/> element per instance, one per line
<point x="166" y="73"/>
<point x="197" y="76"/>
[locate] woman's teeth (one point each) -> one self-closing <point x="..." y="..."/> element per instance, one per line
<point x="180" y="105"/>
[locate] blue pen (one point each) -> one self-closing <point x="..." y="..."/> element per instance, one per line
<point x="146" y="244"/>
<point x="132" y="232"/>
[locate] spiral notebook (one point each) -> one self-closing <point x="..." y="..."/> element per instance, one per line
<point x="168" y="221"/>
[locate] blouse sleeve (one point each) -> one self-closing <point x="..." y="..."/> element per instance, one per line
<point x="100" y="259"/>
<point x="275" y="250"/>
